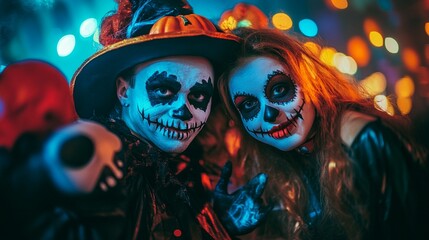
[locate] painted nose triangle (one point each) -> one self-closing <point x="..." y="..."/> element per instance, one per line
<point x="182" y="113"/>
<point x="270" y="114"/>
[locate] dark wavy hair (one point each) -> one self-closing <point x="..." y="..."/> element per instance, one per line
<point x="331" y="93"/>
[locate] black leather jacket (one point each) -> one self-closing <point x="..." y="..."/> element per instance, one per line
<point x="398" y="185"/>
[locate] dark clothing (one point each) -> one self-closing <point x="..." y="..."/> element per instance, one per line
<point x="148" y="203"/>
<point x="398" y="185"/>
<point x="394" y="185"/>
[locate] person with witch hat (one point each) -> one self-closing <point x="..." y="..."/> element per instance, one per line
<point x="114" y="174"/>
<point x="152" y="85"/>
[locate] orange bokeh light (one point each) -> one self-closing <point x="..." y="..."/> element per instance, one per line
<point x="410" y="59"/>
<point x="369" y="25"/>
<point x="340" y="4"/>
<point x="358" y="49"/>
<point x="404" y="87"/>
<point x="404" y="105"/>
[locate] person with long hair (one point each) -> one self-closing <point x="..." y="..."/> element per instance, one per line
<point x="120" y="172"/>
<point x="339" y="167"/>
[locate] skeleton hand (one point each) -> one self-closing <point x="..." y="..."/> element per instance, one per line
<point x="240" y="212"/>
<point x="82" y="155"/>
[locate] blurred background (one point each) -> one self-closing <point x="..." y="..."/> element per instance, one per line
<point x="384" y="44"/>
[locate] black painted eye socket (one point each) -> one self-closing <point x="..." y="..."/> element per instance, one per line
<point x="280" y="88"/>
<point x="248" y="107"/>
<point x="198" y="97"/>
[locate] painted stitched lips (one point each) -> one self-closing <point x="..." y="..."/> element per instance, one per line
<point x="285" y="129"/>
<point x="174" y="129"/>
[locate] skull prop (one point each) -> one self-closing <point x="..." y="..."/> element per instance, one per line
<point x="78" y="154"/>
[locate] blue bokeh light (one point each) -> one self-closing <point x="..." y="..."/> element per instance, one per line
<point x="308" y="27"/>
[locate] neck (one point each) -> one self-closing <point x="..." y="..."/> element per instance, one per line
<point x="307" y="147"/>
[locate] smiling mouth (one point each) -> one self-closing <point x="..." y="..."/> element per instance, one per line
<point x="284" y="129"/>
<point x="170" y="130"/>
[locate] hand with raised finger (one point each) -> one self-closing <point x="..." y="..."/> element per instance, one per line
<point x="81" y="157"/>
<point x="242" y="211"/>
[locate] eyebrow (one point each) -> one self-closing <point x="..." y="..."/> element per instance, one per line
<point x="205" y="85"/>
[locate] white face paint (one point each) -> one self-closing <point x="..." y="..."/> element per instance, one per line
<point x="170" y="101"/>
<point x="272" y="107"/>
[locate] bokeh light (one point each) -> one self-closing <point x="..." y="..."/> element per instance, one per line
<point x="345" y="64"/>
<point x="427" y="28"/>
<point x="410" y="59"/>
<point x="391" y="45"/>
<point x="66" y="45"/>
<point x="228" y="24"/>
<point x="370" y="25"/>
<point x="327" y="55"/>
<point x="382" y="103"/>
<point x="244" y="23"/>
<point x="308" y="27"/>
<point x="88" y="27"/>
<point x="404" y="105"/>
<point x="340" y="4"/>
<point x="404" y="87"/>
<point x="385" y="5"/>
<point x="358" y="49"/>
<point x="374" y="84"/>
<point x="314" y="47"/>
<point x="282" y="21"/>
<point x="96" y="36"/>
<point x="376" y="39"/>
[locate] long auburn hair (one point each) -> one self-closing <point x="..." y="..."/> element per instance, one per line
<point x="331" y="93"/>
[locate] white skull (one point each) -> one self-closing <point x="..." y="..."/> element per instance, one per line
<point x="82" y="175"/>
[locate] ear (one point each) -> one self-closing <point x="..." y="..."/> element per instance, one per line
<point x="121" y="88"/>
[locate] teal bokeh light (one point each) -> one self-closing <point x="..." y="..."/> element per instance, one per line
<point x="308" y="27"/>
<point x="88" y="27"/>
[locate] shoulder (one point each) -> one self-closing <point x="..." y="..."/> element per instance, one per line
<point x="352" y="123"/>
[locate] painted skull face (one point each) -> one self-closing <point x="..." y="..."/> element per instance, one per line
<point x="272" y="106"/>
<point x="170" y="101"/>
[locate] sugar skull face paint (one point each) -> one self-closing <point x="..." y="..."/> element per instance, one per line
<point x="170" y="101"/>
<point x="272" y="106"/>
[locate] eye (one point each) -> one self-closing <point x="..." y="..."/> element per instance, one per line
<point x="248" y="106"/>
<point x="163" y="92"/>
<point x="197" y="97"/>
<point x="279" y="91"/>
<point x="280" y="88"/>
